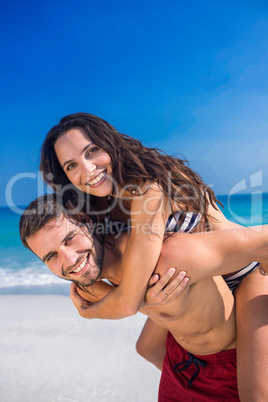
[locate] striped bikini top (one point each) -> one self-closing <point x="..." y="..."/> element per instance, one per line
<point x="178" y="221"/>
<point x="181" y="221"/>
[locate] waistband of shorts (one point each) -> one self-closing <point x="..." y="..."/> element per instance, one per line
<point x="225" y="356"/>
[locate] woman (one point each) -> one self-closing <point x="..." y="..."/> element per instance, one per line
<point x="153" y="193"/>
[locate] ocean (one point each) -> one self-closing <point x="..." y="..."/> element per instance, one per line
<point x="22" y="272"/>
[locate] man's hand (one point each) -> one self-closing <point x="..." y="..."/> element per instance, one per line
<point x="160" y="291"/>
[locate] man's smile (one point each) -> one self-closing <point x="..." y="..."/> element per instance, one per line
<point x="81" y="267"/>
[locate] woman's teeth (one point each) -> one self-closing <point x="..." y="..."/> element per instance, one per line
<point x="97" y="179"/>
<point x="81" y="266"/>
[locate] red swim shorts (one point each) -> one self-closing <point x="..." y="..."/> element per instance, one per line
<point x="188" y="377"/>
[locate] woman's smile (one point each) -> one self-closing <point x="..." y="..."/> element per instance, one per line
<point x="97" y="179"/>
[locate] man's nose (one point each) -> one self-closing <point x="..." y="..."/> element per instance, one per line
<point x="69" y="257"/>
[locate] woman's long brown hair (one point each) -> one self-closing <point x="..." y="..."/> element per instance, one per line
<point x="132" y="164"/>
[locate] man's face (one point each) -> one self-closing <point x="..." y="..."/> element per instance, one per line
<point x="68" y="251"/>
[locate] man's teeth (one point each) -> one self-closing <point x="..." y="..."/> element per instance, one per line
<point x="81" y="266"/>
<point x="97" y="179"/>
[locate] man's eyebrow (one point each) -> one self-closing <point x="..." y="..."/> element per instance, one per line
<point x="83" y="150"/>
<point x="63" y="241"/>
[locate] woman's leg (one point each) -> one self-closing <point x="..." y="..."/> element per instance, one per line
<point x="252" y="337"/>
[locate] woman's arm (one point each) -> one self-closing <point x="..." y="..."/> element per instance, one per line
<point x="205" y="254"/>
<point x="93" y="293"/>
<point x="139" y="259"/>
<point x="83" y="298"/>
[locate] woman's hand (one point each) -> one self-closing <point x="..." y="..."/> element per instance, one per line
<point x="80" y="303"/>
<point x="85" y="299"/>
<point x="160" y="291"/>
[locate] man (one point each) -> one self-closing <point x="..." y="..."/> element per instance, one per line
<point x="201" y="320"/>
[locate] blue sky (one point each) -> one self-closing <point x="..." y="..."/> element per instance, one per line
<point x="190" y="79"/>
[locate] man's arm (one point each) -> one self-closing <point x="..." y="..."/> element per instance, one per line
<point x="214" y="253"/>
<point x="151" y="344"/>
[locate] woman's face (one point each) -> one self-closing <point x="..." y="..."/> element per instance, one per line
<point x="86" y="165"/>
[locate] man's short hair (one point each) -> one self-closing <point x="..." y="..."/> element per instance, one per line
<point x="46" y="208"/>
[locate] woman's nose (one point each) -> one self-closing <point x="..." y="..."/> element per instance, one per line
<point x="87" y="167"/>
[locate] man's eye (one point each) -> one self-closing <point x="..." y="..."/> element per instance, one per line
<point x="52" y="255"/>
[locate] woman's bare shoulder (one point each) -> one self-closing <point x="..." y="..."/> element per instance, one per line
<point x="218" y="221"/>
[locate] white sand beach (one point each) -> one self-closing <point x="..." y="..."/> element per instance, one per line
<point x="49" y="353"/>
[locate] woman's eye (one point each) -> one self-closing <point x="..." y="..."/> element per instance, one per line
<point x="92" y="151"/>
<point x="70" y="167"/>
<point x="69" y="239"/>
